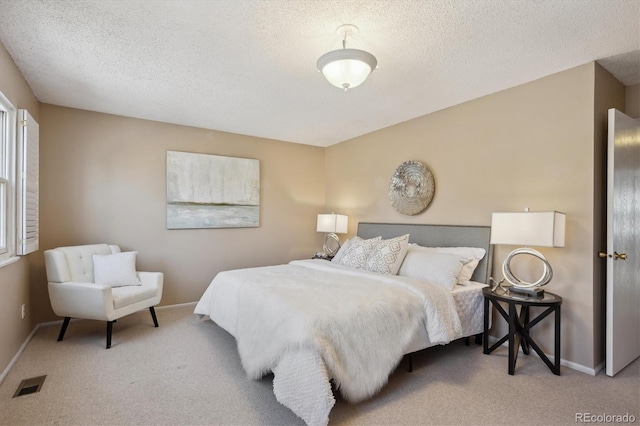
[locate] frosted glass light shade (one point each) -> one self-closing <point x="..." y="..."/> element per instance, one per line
<point x="544" y="229"/>
<point x="336" y="223"/>
<point x="347" y="68"/>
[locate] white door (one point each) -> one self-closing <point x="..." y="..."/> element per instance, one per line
<point x="623" y="247"/>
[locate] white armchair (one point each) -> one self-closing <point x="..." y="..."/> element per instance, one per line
<point x="74" y="294"/>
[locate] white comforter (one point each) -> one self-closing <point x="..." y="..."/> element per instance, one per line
<point x="311" y="321"/>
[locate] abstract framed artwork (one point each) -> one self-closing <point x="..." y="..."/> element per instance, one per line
<point x="212" y="191"/>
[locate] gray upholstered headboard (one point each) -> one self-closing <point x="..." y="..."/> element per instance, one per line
<point x="438" y="236"/>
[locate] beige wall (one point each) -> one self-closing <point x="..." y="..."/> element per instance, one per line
<point x="14" y="278"/>
<point x="632" y="101"/>
<point x="528" y="146"/>
<point x="103" y="180"/>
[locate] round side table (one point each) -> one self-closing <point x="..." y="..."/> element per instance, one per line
<point x="520" y="324"/>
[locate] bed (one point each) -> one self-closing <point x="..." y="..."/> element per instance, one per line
<point x="315" y="323"/>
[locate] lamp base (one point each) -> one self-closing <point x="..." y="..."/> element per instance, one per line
<point x="527" y="291"/>
<point x="331" y="244"/>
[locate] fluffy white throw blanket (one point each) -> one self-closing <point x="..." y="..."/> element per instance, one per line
<point x="357" y="323"/>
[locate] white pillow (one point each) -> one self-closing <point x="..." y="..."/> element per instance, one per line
<point x="387" y="256"/>
<point x="473" y="254"/>
<point x="115" y="270"/>
<point x="437" y="268"/>
<point x="357" y="253"/>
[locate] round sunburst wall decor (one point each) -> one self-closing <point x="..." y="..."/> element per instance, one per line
<point x="411" y="188"/>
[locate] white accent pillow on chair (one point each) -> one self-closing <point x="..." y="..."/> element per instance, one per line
<point x="115" y="270"/>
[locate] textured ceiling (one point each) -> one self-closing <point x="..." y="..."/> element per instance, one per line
<point x="248" y="66"/>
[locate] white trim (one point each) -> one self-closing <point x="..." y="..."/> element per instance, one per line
<point x="177" y="305"/>
<point x="9" y="261"/>
<point x="157" y="308"/>
<point x="8" y="172"/>
<point x="492" y="339"/>
<point x="27" y="184"/>
<point x="582" y="368"/>
<point x="563" y="362"/>
<point x="17" y="355"/>
<point x="57" y="322"/>
<point x="599" y="368"/>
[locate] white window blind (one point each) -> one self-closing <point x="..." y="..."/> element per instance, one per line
<point x="28" y="183"/>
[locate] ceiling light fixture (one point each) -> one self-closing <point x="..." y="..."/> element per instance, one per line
<point x="347" y="68"/>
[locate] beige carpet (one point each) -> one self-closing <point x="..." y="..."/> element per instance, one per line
<point x="187" y="372"/>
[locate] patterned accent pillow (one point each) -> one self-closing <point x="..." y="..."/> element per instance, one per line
<point x="388" y="255"/>
<point x="344" y="248"/>
<point x="357" y="253"/>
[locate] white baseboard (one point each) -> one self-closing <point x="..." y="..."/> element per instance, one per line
<point x="17" y="355"/>
<point x="52" y="323"/>
<point x="492" y="340"/>
<point x="58" y="322"/>
<point x="157" y="308"/>
<point x="580" y="367"/>
<point x="177" y="305"/>
<point x="563" y="362"/>
<point x="599" y="368"/>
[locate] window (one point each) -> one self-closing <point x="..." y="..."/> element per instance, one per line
<point x="7" y="179"/>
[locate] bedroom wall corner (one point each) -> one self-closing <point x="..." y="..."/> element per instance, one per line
<point x="632" y="101"/>
<point x="608" y="93"/>
<point x="112" y="189"/>
<point x="527" y="146"/>
<point x="14" y="278"/>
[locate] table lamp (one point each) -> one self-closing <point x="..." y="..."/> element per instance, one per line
<point x="332" y="224"/>
<point x="542" y="229"/>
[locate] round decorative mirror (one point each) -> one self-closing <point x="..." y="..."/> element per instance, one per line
<point x="411" y="188"/>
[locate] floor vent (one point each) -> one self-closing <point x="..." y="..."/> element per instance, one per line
<point x="28" y="386"/>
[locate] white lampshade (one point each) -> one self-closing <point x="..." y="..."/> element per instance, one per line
<point x="336" y="223"/>
<point x="543" y="229"/>
<point x="347" y="68"/>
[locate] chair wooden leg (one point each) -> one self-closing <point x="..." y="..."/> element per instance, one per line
<point x="63" y="330"/>
<point x="153" y="315"/>
<point x="109" y="330"/>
